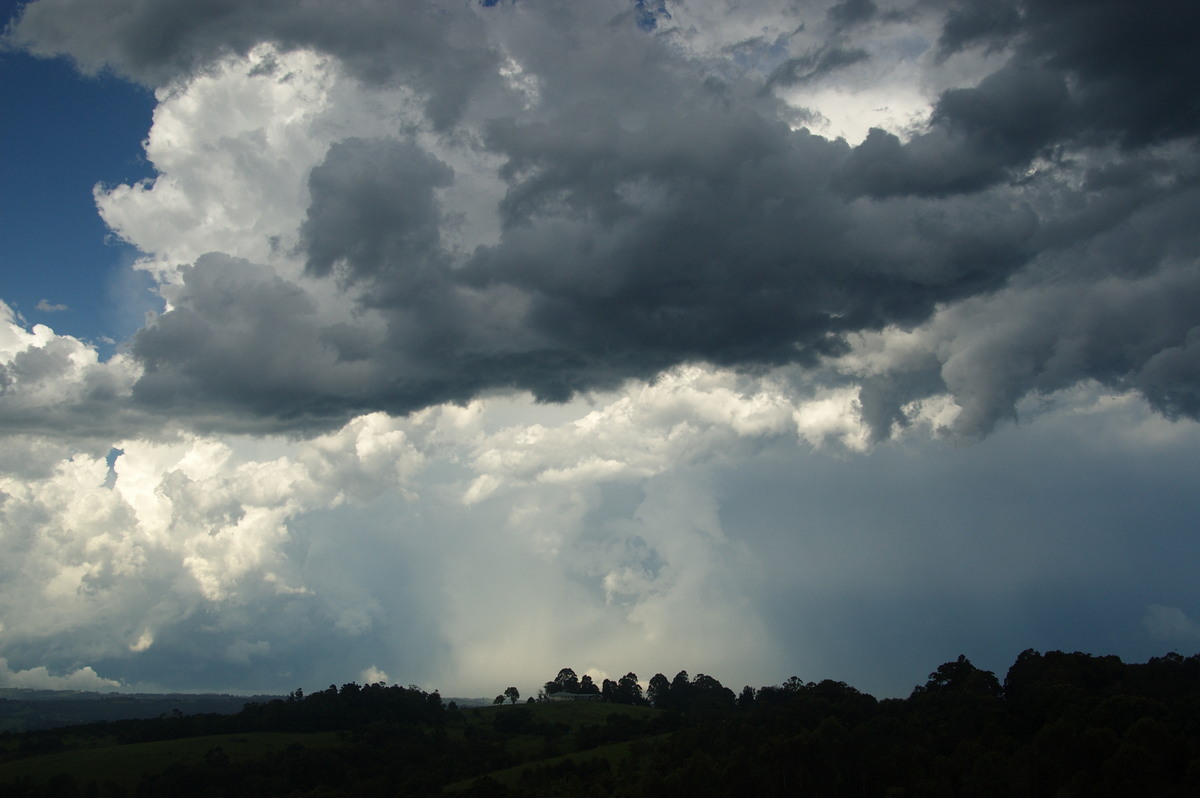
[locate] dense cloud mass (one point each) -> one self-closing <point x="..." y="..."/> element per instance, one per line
<point x="374" y="226"/>
<point x="654" y="204"/>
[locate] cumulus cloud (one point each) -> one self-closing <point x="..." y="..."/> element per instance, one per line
<point x="57" y="383"/>
<point x="537" y="288"/>
<point x="125" y="566"/>
<point x="373" y="675"/>
<point x="398" y="540"/>
<point x="1170" y="624"/>
<point x="38" y="678"/>
<point x="443" y="54"/>
<point x="466" y="546"/>
<point x="385" y="228"/>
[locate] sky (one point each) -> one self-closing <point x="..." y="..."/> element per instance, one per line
<point x="453" y="343"/>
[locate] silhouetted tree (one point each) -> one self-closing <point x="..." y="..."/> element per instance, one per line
<point x="658" y="691"/>
<point x="681" y="688"/>
<point x="512" y="694"/>
<point x="628" y="690"/>
<point x="565" y="682"/>
<point x="708" y="694"/>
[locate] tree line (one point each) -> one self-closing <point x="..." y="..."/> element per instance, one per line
<point x="1057" y="725"/>
<point x="681" y="694"/>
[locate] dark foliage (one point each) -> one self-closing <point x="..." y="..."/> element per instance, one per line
<point x="1059" y="725"/>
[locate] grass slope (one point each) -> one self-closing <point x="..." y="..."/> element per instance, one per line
<point x="572" y="718"/>
<point x="126" y="764"/>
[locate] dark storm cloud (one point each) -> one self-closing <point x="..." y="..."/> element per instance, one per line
<point x="442" y="54"/>
<point x="1110" y="295"/>
<point x="657" y="210"/>
<point x="976" y="138"/>
<point x="623" y="253"/>
<point x="240" y="336"/>
<point x="990" y="23"/>
<point x="1132" y="64"/>
<point x="716" y="235"/>
<point x="373" y="208"/>
<point x="1080" y="74"/>
<point x="1074" y="122"/>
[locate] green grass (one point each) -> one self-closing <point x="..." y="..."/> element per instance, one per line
<point x="575" y="713"/>
<point x="103" y="760"/>
<point x="126" y="764"/>
<point x="532" y="748"/>
<point x="510" y="777"/>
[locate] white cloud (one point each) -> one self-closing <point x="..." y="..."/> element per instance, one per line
<point x="688" y="415"/>
<point x="1170" y="624"/>
<point x="601" y="539"/>
<point x="373" y="675"/>
<point x="231" y="180"/>
<point x="191" y="526"/>
<point x="38" y="678"/>
<point x="52" y="381"/>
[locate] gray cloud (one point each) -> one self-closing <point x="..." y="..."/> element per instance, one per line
<point x="814" y="66"/>
<point x="852" y="12"/>
<point x="967" y="24"/>
<point x="656" y="210"/>
<point x="1130" y="80"/>
<point x="722" y="239"/>
<point x="444" y="54"/>
<point x="1170" y="624"/>
<point x="373" y="209"/>
<point x="239" y="336"/>
<point x="1110" y="297"/>
<point x="1134" y="78"/>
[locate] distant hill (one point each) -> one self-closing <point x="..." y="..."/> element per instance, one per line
<point x="469" y="702"/>
<point x="29" y="710"/>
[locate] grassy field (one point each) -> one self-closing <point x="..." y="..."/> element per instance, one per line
<point x="126" y="764"/>
<point x="532" y="748"/>
<point x="549" y="733"/>
<point x="510" y="777"/>
<point x="575" y="713"/>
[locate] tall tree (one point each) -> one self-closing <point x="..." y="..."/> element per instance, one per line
<point x="628" y="689"/>
<point x="567" y="682"/>
<point x="681" y="691"/>
<point x="658" y="692"/>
